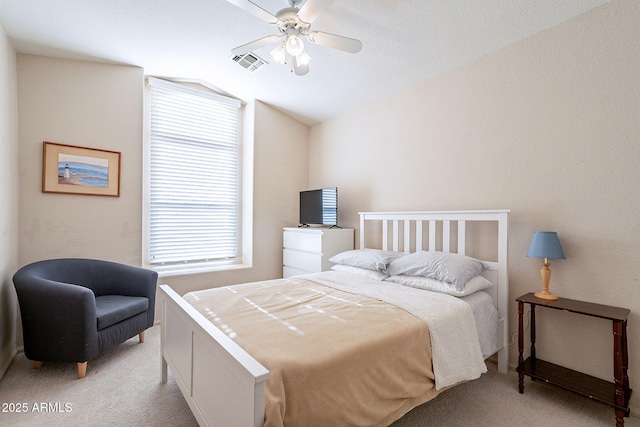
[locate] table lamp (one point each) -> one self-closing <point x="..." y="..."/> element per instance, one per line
<point x="545" y="244"/>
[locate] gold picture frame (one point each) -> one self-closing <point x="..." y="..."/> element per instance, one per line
<point x="71" y="169"/>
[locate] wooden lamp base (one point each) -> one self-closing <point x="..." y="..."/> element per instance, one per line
<point x="545" y="272"/>
<point x="548" y="295"/>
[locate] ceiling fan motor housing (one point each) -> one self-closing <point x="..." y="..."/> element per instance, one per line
<point x="288" y="19"/>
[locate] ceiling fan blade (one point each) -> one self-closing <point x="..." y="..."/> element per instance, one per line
<point x="256" y="44"/>
<point x="334" y="41"/>
<point x="255" y="10"/>
<point x="311" y="9"/>
<point x="300" y="69"/>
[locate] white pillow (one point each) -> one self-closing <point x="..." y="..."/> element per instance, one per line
<point x="371" y="259"/>
<point x="371" y="274"/>
<point x="447" y="267"/>
<point x="476" y="284"/>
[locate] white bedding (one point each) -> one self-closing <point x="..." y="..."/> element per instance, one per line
<point x="487" y="321"/>
<point x="457" y="355"/>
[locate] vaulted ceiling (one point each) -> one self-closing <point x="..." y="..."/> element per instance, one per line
<point x="404" y="42"/>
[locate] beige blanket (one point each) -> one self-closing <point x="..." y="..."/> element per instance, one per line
<point x="455" y="346"/>
<point x="336" y="358"/>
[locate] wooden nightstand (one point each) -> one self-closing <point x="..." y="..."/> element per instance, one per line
<point x="615" y="394"/>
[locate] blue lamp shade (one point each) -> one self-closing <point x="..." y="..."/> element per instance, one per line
<point x="545" y="244"/>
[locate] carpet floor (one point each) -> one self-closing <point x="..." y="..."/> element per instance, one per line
<point x="122" y="388"/>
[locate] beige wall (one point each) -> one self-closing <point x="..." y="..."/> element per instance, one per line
<point x="547" y="127"/>
<point x="9" y="197"/>
<point x="101" y="106"/>
<point x="90" y="105"/>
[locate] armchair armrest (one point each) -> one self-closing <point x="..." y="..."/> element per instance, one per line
<point x="123" y="279"/>
<point x="56" y="316"/>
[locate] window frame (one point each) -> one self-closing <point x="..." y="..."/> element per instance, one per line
<point x="245" y="187"/>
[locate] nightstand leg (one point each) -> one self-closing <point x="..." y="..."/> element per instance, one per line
<point x="532" y="356"/>
<point x="618" y="371"/>
<point x="520" y="348"/>
<point x="625" y="367"/>
<point x="533" y="338"/>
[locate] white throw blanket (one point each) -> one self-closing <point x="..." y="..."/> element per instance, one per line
<point x="454" y="339"/>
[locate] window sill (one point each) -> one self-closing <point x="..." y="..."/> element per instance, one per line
<point x="183" y="270"/>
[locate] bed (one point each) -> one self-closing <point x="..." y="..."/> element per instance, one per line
<point x="397" y="352"/>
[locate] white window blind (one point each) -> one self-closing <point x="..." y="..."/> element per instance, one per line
<point x="194" y="184"/>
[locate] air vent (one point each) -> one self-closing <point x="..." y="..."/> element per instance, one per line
<point x="249" y="61"/>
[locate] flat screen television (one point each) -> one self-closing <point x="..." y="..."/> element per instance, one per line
<point x="319" y="207"/>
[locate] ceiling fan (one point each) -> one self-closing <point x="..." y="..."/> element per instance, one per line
<point x="294" y="24"/>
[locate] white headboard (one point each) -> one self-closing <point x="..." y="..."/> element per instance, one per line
<point x="407" y="231"/>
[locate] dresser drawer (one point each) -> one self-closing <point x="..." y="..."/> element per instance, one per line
<point x="302" y="240"/>
<point x="302" y="260"/>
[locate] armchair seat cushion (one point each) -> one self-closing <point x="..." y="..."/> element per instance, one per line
<point x="111" y="309"/>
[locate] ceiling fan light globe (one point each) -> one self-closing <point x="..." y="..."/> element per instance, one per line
<point x="294" y="45"/>
<point x="279" y="54"/>
<point x="303" y="58"/>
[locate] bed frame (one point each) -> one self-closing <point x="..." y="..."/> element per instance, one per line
<point x="224" y="385"/>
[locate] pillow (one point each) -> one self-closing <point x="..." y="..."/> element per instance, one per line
<point x="476" y="284"/>
<point x="447" y="267"/>
<point x="371" y="274"/>
<point x="371" y="259"/>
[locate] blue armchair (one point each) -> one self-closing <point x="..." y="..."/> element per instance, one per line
<point x="74" y="309"/>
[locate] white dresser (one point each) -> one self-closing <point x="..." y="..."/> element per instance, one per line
<point x="307" y="250"/>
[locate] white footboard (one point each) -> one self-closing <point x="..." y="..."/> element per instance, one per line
<point x="222" y="383"/>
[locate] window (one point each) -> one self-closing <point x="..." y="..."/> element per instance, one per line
<point x="193" y="213"/>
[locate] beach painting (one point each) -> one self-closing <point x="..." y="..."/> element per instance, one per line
<point x="72" y="169"/>
<point x="83" y="170"/>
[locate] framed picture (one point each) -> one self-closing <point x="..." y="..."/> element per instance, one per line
<point x="80" y="170"/>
